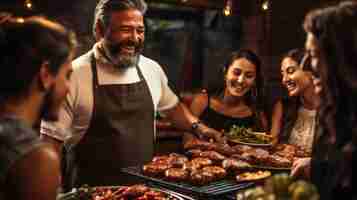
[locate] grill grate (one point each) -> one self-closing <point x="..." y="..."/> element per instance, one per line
<point x="213" y="189"/>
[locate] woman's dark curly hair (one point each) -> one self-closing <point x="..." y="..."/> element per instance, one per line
<point x="335" y="29"/>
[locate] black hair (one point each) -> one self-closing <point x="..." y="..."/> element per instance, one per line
<point x="255" y="95"/>
<point x="301" y="57"/>
<point x="335" y="30"/>
<point x="27" y="43"/>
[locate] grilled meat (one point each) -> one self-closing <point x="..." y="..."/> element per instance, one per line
<point x="135" y="191"/>
<point x="239" y="149"/>
<point x="217" y="171"/>
<point x="190" y="166"/>
<point x="195" y="143"/>
<point x="232" y="164"/>
<point x="202" y="162"/>
<point x="278" y="161"/>
<point x="225" y="149"/>
<point x="155" y="169"/>
<point x="201" y="177"/>
<point x="164" y="159"/>
<point x="176" y="174"/>
<point x="156" y="195"/>
<point x="212" y="155"/>
<point x="177" y="160"/>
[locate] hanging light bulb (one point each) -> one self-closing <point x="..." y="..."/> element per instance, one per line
<point x="266" y="5"/>
<point x="28" y="4"/>
<point x="20" y="20"/>
<point x="227" y="10"/>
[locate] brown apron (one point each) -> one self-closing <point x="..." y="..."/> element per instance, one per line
<point x="120" y="134"/>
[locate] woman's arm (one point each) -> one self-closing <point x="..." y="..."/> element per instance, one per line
<point x="276" y="121"/>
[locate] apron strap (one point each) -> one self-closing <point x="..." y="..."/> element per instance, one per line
<point x="94" y="70"/>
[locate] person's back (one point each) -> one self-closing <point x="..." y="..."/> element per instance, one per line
<point x="18" y="143"/>
<point x="35" y="70"/>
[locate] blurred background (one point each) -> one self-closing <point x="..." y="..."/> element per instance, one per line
<point x="192" y="38"/>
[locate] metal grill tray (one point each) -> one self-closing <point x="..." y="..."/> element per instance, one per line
<point x="213" y="189"/>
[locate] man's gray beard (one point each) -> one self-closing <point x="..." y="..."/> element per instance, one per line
<point x="125" y="62"/>
<point x="121" y="61"/>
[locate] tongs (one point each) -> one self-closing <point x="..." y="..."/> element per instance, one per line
<point x="186" y="197"/>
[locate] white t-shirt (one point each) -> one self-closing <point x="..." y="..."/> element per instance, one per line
<point x="303" y="132"/>
<point x="75" y="114"/>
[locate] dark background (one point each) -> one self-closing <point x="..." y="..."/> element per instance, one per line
<point x="192" y="38"/>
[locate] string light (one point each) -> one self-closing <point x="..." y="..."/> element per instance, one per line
<point x="28" y="4"/>
<point x="227" y="10"/>
<point x="20" y="20"/>
<point x="266" y="5"/>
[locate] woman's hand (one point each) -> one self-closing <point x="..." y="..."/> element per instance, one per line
<point x="301" y="168"/>
<point x="274" y="140"/>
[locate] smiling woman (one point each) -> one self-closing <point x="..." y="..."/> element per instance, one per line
<point x="301" y="106"/>
<point x="239" y="101"/>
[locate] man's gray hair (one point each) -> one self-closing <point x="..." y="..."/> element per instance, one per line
<point x="105" y="7"/>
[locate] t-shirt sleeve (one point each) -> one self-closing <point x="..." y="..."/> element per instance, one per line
<point x="168" y="98"/>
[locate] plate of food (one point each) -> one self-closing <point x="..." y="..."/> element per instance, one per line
<point x="247" y="136"/>
<point x="253" y="176"/>
<point x="271" y="168"/>
<point x="139" y="191"/>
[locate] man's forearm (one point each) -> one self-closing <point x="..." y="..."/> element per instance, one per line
<point x="181" y="117"/>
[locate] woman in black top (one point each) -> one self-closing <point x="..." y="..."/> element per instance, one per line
<point x="239" y="102"/>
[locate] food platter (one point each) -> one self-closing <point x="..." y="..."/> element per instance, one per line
<point x="76" y="193"/>
<point x="247" y="136"/>
<point x="237" y="141"/>
<point x="271" y="168"/>
<point x="253" y="176"/>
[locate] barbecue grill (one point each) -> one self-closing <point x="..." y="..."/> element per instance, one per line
<point x="208" y="191"/>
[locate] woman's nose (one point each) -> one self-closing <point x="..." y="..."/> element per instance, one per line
<point x="240" y="79"/>
<point x="284" y="79"/>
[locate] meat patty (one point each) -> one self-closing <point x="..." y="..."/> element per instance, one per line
<point x="201" y="177"/>
<point x="155" y="169"/>
<point x="212" y="155"/>
<point x="232" y="164"/>
<point x="278" y="161"/>
<point x="176" y="174"/>
<point x="177" y="160"/>
<point x="202" y="162"/>
<point x="191" y="166"/>
<point x="217" y="171"/>
<point x="164" y="159"/>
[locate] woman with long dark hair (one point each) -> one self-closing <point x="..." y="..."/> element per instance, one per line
<point x="300" y="107"/>
<point x="332" y="45"/>
<point x="239" y="102"/>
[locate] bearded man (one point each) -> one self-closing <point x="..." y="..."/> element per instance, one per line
<point x="114" y="95"/>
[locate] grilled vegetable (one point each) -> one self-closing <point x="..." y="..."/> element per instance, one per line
<point x="248" y="135"/>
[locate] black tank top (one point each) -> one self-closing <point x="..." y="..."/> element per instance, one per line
<point x="220" y="122"/>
